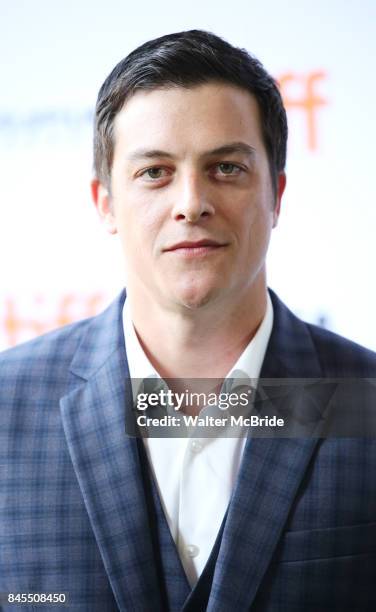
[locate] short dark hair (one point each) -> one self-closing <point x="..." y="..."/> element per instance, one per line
<point x="187" y="59"/>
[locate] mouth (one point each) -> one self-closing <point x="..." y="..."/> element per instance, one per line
<point x="199" y="248"/>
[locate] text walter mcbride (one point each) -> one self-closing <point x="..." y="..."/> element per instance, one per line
<point x="209" y="421"/>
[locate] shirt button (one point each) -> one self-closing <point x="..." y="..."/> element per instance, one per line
<point x="192" y="550"/>
<point x="196" y="446"/>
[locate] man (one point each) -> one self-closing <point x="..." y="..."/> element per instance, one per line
<point x="190" y="147"/>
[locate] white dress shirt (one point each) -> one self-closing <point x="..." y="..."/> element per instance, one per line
<point x="195" y="476"/>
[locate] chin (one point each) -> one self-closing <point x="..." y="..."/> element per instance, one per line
<point x="194" y="291"/>
<point x="196" y="299"/>
<point x="195" y="304"/>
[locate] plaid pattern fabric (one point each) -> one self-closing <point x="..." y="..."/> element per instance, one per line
<point x="300" y="533"/>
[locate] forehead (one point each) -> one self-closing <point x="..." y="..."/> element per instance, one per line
<point x="189" y="119"/>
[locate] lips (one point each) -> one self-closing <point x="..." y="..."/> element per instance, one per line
<point x="187" y="244"/>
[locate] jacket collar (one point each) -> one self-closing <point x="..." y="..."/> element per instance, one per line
<point x="102" y="338"/>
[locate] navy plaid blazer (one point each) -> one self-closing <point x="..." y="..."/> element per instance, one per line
<point x="300" y="533"/>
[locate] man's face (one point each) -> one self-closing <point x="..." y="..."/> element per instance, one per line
<point x="191" y="195"/>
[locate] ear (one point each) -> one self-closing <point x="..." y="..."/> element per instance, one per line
<point x="281" y="184"/>
<point x="102" y="201"/>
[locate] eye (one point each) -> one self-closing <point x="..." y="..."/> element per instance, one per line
<point x="156" y="172"/>
<point x="228" y="169"/>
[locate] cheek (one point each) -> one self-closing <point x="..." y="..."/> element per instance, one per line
<point x="254" y="228"/>
<point x="244" y="218"/>
<point x="138" y="218"/>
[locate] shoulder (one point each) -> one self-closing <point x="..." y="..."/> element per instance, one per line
<point x="307" y="348"/>
<point x="33" y="377"/>
<point x="340" y="356"/>
<point x="42" y="367"/>
<point x="42" y="356"/>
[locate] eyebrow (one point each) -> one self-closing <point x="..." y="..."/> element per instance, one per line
<point x="226" y="149"/>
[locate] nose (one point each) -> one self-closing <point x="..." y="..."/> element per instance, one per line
<point x="192" y="200"/>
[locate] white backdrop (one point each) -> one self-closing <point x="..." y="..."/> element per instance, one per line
<point x="58" y="264"/>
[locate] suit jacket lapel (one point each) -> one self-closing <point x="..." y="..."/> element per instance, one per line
<point x="271" y="472"/>
<point x="106" y="462"/>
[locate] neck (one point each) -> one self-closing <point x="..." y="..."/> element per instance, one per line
<point x="196" y="343"/>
